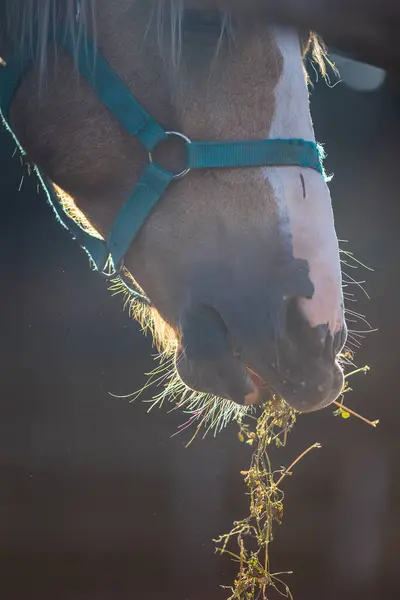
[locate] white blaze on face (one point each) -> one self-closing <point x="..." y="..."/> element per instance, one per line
<point x="306" y="210"/>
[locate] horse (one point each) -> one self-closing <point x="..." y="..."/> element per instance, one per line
<point x="198" y="115"/>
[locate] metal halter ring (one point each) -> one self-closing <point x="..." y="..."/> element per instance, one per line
<point x="186" y="170"/>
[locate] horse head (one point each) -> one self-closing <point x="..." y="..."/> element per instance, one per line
<point x="241" y="264"/>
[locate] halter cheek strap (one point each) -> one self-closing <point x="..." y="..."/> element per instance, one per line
<point x="107" y="255"/>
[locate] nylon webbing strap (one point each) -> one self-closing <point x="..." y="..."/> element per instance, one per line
<point x="257" y="153"/>
<point x="144" y="197"/>
<point x="139" y="123"/>
<point x="114" y="93"/>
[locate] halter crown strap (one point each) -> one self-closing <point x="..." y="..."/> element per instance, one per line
<point x="139" y="123"/>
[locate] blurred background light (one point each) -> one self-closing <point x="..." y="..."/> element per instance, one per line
<point x="357" y="75"/>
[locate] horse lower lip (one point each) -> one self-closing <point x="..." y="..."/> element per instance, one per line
<point x="252" y="398"/>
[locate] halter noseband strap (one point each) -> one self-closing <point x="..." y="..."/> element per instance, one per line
<point x="139" y="123"/>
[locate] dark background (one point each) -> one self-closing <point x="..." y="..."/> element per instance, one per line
<point x="97" y="502"/>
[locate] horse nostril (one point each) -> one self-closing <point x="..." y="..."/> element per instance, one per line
<point x="316" y="341"/>
<point x="334" y="344"/>
<point x="340" y="339"/>
<point x="329" y="353"/>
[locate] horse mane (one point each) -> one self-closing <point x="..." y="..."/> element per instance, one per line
<point x="33" y="23"/>
<point x="316" y="51"/>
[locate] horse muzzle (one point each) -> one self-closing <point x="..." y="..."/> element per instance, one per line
<point x="248" y="365"/>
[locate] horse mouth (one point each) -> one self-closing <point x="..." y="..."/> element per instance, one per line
<point x="261" y="393"/>
<point x="314" y="387"/>
<point x="303" y="370"/>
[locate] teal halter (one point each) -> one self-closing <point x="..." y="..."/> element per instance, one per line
<point x="107" y="255"/>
